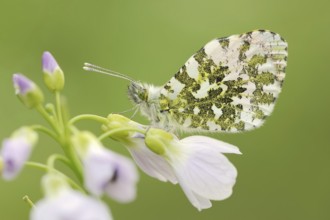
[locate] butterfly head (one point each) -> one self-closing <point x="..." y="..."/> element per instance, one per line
<point x="137" y="92"/>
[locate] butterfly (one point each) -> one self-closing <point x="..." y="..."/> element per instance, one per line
<point x="229" y="85"/>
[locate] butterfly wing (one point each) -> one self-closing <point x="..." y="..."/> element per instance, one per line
<point x="231" y="84"/>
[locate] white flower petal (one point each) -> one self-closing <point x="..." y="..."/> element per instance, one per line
<point x="70" y="205"/>
<point x="197" y="201"/>
<point x="122" y="186"/>
<point x="205" y="171"/>
<point x="107" y="171"/>
<point x="151" y="163"/>
<point x="220" y="146"/>
<point x="98" y="170"/>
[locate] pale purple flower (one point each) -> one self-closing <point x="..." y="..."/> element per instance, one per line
<point x="63" y="203"/>
<point x="106" y="171"/>
<point x="16" y="150"/>
<point x="110" y="173"/>
<point x="49" y="64"/>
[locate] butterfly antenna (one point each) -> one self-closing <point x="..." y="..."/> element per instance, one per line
<point x="128" y="110"/>
<point x="93" y="68"/>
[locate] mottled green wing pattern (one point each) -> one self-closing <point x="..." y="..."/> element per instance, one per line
<point x="231" y="84"/>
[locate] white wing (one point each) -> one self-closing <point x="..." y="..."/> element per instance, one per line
<point x="231" y="84"/>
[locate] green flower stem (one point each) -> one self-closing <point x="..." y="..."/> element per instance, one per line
<point x="47" y="169"/>
<point x="59" y="109"/>
<point x="52" y="159"/>
<point x="47" y="117"/>
<point x="111" y="132"/>
<point x="28" y="201"/>
<point x="74" y="167"/>
<point x="46" y="131"/>
<point x="75" y="163"/>
<point x="88" y="117"/>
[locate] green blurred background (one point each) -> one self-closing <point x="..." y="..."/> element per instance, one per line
<point x="284" y="170"/>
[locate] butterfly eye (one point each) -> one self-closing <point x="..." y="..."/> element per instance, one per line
<point x="143" y="95"/>
<point x="137" y="93"/>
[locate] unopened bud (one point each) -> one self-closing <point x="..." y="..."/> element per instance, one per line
<point x="27" y="91"/>
<point x="53" y="75"/>
<point x="157" y="140"/>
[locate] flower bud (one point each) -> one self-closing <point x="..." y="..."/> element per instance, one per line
<point x="117" y="122"/>
<point x="27" y="91"/>
<point x="82" y="141"/>
<point x="54" y="184"/>
<point x="53" y="75"/>
<point x="157" y="140"/>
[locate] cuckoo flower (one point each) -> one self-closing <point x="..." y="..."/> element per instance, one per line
<point x="62" y="202"/>
<point x="16" y="150"/>
<point x="200" y="167"/>
<point x="197" y="163"/>
<point x="106" y="171"/>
